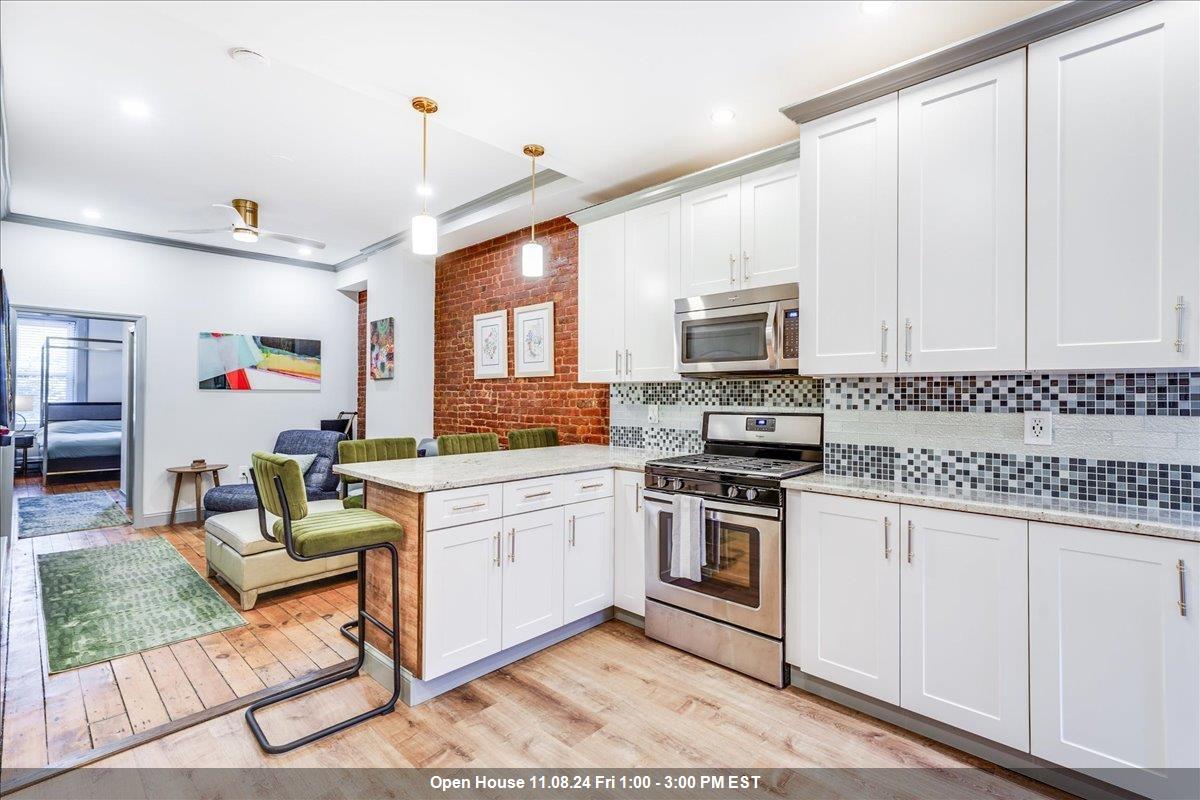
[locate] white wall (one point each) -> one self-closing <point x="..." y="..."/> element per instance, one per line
<point x="105" y="368"/>
<point x="181" y="293"/>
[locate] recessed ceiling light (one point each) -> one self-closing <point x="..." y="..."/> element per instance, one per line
<point x="247" y="57"/>
<point x="282" y="157"/>
<point x="305" y="251"/>
<point x="874" y="6"/>
<point x="91" y="213"/>
<point x="135" y="108"/>
<point x="722" y="116"/>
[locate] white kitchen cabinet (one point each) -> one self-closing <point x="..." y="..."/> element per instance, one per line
<point x="961" y="295"/>
<point x="588" y="559"/>
<point x="651" y="283"/>
<point x="533" y="575"/>
<point x="1115" y="654"/>
<point x="712" y="238"/>
<point x="1114" y="192"/>
<point x="848" y="241"/>
<point x="629" y="550"/>
<point x="770" y="226"/>
<point x="462" y="590"/>
<point x="964" y="621"/>
<point x="844" y="598"/>
<point x="602" y="300"/>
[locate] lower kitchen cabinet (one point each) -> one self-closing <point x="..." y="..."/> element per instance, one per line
<point x="964" y="621"/>
<point x="533" y="575"/>
<point x="629" y="550"/>
<point x="1115" y="655"/>
<point x="463" y="578"/>
<point x="845" y="610"/>
<point x="588" y="559"/>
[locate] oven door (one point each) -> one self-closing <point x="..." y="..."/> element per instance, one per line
<point x="718" y="340"/>
<point x="741" y="581"/>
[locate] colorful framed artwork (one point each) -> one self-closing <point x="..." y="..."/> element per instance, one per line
<point x="243" y="362"/>
<point x="383" y="349"/>
<point x="491" y="345"/>
<point x="533" y="340"/>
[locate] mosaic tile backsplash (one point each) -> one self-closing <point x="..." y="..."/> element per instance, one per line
<point x="1124" y="438"/>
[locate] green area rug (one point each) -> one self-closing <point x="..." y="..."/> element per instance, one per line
<point x="103" y="602"/>
<point x="74" y="511"/>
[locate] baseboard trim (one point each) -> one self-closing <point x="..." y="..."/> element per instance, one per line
<point x="636" y="620"/>
<point x="414" y="691"/>
<point x="160" y="518"/>
<point x="1015" y="760"/>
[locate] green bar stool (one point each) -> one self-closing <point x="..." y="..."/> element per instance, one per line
<point x="456" y="444"/>
<point x="532" y="437"/>
<point x="356" y="451"/>
<point x="279" y="487"/>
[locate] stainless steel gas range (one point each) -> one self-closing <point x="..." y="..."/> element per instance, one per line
<point x="715" y="539"/>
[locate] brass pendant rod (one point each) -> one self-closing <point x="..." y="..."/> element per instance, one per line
<point x="424" y="158"/>
<point x="533" y="199"/>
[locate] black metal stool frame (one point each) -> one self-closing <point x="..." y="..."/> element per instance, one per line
<point x="393" y="633"/>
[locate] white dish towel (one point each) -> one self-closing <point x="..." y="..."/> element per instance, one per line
<point x="687" y="537"/>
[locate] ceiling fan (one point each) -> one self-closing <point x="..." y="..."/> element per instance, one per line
<point x="243" y="216"/>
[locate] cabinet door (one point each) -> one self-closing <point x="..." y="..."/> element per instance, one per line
<point x="850" y="593"/>
<point x="1113" y="656"/>
<point x="964" y="623"/>
<point x="962" y="220"/>
<point x="629" y="548"/>
<point x="771" y="226"/>
<point x="588" y="563"/>
<point x="462" y="596"/>
<point x="601" y="299"/>
<point x="1114" y="192"/>
<point x="651" y="286"/>
<point x="848" y="241"/>
<point x="533" y="575"/>
<point x="711" y="238"/>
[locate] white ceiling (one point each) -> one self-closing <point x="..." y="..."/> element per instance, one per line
<point x="619" y="93"/>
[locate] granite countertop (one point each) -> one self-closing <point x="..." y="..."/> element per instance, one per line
<point x="474" y="469"/>
<point x="1126" y="519"/>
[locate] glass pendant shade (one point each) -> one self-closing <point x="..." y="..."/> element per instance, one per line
<point x="424" y="235"/>
<point x="531" y="260"/>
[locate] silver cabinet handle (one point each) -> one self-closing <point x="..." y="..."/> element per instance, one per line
<point x="497" y="548"/>
<point x="572" y="530"/>
<point x="910" y="550"/>
<point x="1180" y="305"/>
<point x="591" y="486"/>
<point x="637" y="499"/>
<point x="512" y="545"/>
<point x="887" y="528"/>
<point x="470" y="507"/>
<point x="617" y="363"/>
<point x="538" y="494"/>
<point x="908" y="340"/>
<point x="732" y="274"/>
<point x="1181" y="568"/>
<point x="628" y="363"/>
<point x="745" y="265"/>
<point x="883" y="330"/>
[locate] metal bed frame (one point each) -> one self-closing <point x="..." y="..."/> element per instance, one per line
<point x="68" y="411"/>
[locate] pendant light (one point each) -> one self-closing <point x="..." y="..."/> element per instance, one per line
<point x="423" y="230"/>
<point x="532" y="265"/>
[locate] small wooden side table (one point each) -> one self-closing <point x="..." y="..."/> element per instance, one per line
<point x="198" y="474"/>
<point x="23" y="441"/>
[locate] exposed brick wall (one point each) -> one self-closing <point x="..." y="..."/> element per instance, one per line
<point x="362" y="365"/>
<point x="487" y="277"/>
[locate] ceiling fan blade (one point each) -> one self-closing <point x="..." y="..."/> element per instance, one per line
<point x="234" y="216"/>
<point x="199" y="230"/>
<point x="287" y="237"/>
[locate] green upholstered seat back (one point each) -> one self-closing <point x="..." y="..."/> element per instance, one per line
<point x="266" y="467"/>
<point x="533" y="437"/>
<point x="356" y="451"/>
<point x="459" y="443"/>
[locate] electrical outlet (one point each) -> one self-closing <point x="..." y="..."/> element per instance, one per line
<point x="652" y="414"/>
<point x="1039" y="427"/>
<point x="244" y="473"/>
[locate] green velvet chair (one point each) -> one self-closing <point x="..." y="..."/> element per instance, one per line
<point x="456" y="444"/>
<point x="532" y="437"/>
<point x="356" y="451"/>
<point x="279" y="487"/>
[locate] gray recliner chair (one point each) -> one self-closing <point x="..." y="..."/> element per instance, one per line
<point x="320" y="482"/>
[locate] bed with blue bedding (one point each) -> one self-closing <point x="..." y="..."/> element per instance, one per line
<point x="80" y="437"/>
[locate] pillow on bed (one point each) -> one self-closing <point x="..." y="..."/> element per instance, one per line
<point x="305" y="461"/>
<point x="86" y="426"/>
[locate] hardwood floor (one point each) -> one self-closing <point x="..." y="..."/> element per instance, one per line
<point x="48" y="718"/>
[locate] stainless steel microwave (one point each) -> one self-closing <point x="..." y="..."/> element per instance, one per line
<point x="749" y="331"/>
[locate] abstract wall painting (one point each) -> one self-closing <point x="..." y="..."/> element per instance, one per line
<point x="534" y="340"/>
<point x="242" y="362"/>
<point x="383" y="349"/>
<point x="491" y="345"/>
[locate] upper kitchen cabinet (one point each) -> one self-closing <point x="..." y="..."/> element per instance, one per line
<point x="742" y="233"/>
<point x="961" y="210"/>
<point x="848" y="241"/>
<point x="602" y="300"/>
<point x="1114" y="192"/>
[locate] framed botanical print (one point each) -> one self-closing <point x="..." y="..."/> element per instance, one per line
<point x="533" y="340"/>
<point x="491" y="345"/>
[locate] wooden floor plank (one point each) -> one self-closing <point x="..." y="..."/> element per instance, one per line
<point x="176" y="691"/>
<point x="233" y="668"/>
<point x="101" y="697"/>
<point x="66" y="719"/>
<point x="142" y="703"/>
<point x="280" y="646"/>
<point x="205" y="677"/>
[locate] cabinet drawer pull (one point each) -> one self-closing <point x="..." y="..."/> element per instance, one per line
<point x="883" y="353"/>
<point x="538" y="494"/>
<point x="1181" y="568"/>
<point x="910" y="550"/>
<point x="497" y="548"/>
<point x="887" y="528"/>
<point x="908" y="340"/>
<point x="512" y="545"/>
<point x="1179" y="306"/>
<point x="592" y="486"/>
<point x="637" y="499"/>
<point x="745" y="265"/>
<point x="572" y="530"/>
<point x="470" y="507"/>
<point x="732" y="274"/>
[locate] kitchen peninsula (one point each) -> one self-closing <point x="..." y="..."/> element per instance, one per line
<point x="503" y="554"/>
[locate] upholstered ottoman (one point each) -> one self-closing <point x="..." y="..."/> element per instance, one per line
<point x="239" y="555"/>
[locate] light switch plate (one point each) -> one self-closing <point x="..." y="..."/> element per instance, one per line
<point x="1039" y="427"/>
<point x="652" y="413"/>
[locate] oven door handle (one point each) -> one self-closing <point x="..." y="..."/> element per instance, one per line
<point x="716" y="506"/>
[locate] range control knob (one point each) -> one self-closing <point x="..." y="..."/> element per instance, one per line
<point x="732" y="491"/>
<point x="751" y="494"/>
<point x="660" y="481"/>
<point x="676" y="483"/>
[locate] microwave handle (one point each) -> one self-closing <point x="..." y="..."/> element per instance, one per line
<point x="772" y="335"/>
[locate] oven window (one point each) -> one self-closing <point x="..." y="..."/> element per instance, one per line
<point x="731" y="561"/>
<point x="725" y="339"/>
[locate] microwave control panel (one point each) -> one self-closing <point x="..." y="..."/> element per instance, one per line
<point x="791" y="333"/>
